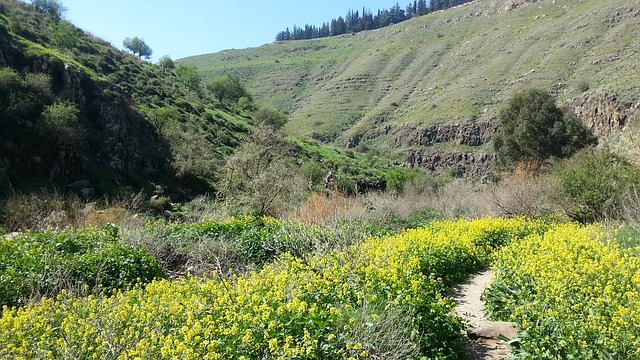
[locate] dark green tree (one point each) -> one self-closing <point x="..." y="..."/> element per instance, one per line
<point x="534" y="128"/>
<point x="422" y="7"/>
<point x="138" y="47"/>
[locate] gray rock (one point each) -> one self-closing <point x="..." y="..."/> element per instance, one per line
<point x="492" y="330"/>
<point x="79" y="185"/>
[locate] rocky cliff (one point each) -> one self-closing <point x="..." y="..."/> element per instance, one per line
<point x="605" y="113"/>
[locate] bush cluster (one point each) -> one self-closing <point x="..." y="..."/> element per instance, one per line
<point x="234" y="243"/>
<point x="573" y="293"/>
<point x="382" y="298"/>
<point x="44" y="263"/>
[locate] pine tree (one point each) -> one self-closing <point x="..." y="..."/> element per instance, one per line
<point x="422" y="7"/>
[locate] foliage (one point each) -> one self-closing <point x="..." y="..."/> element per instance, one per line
<point x="573" y="293"/>
<point x="534" y="128"/>
<point x="227" y="88"/>
<point x="40" y="211"/>
<point x="314" y="307"/>
<point x="53" y="8"/>
<point x="60" y="123"/>
<point x="138" y="47"/>
<point x="22" y="98"/>
<point x="166" y="63"/>
<point x="261" y="174"/>
<point x="189" y="76"/>
<point x="270" y="117"/>
<point x="597" y="182"/>
<point x="395" y="179"/>
<point x="65" y="35"/>
<point x="221" y="245"/>
<point x="44" y="263"/>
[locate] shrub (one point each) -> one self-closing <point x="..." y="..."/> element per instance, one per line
<point x="59" y="122"/>
<point x="235" y="243"/>
<point x="597" y="184"/>
<point x="40" y="211"/>
<point x="261" y="175"/>
<point x="166" y="63"/>
<point x="66" y="35"/>
<point x="526" y="194"/>
<point x="44" y="263"/>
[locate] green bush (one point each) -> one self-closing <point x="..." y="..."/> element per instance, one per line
<point x="534" y="128"/>
<point x="596" y="184"/>
<point x="44" y="263"/>
<point x="237" y="243"/>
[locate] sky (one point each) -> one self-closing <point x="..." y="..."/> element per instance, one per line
<point x="194" y="27"/>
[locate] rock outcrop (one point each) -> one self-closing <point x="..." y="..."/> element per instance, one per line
<point x="117" y="129"/>
<point x="605" y="113"/>
<point x="475" y="165"/>
<point x="470" y="134"/>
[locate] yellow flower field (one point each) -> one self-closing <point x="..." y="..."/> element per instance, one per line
<point x="345" y="304"/>
<point x="574" y="292"/>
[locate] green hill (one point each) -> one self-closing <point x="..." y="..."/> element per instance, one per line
<point x="78" y="114"/>
<point x="75" y="109"/>
<point x="427" y="90"/>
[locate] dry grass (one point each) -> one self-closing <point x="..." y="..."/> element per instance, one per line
<point x="321" y="209"/>
<point x="459" y="198"/>
<point x="526" y="193"/>
<point x="39" y="211"/>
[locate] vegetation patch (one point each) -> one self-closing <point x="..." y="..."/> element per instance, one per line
<point x="39" y="264"/>
<point x="573" y="293"/>
<point x="379" y="298"/>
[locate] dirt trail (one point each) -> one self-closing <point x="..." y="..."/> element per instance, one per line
<point x="483" y="335"/>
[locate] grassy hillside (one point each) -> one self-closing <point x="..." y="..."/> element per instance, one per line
<point x="75" y="108"/>
<point x="393" y="88"/>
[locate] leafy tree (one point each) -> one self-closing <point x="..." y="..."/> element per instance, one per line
<point x="261" y="174"/>
<point x="189" y="76"/>
<point x="53" y="8"/>
<point x="226" y="88"/>
<point x="166" y="63"/>
<point x="534" y="128"/>
<point x="138" y="47"/>
<point x="270" y="117"/>
<point x="60" y="123"/>
<point x="22" y="99"/>
<point x="66" y="35"/>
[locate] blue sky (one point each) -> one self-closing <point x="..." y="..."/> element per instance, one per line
<point x="193" y="27"/>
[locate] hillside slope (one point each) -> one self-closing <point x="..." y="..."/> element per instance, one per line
<point x="77" y="111"/>
<point x="428" y="90"/>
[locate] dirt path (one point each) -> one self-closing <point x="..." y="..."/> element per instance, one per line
<point x="483" y="335"/>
